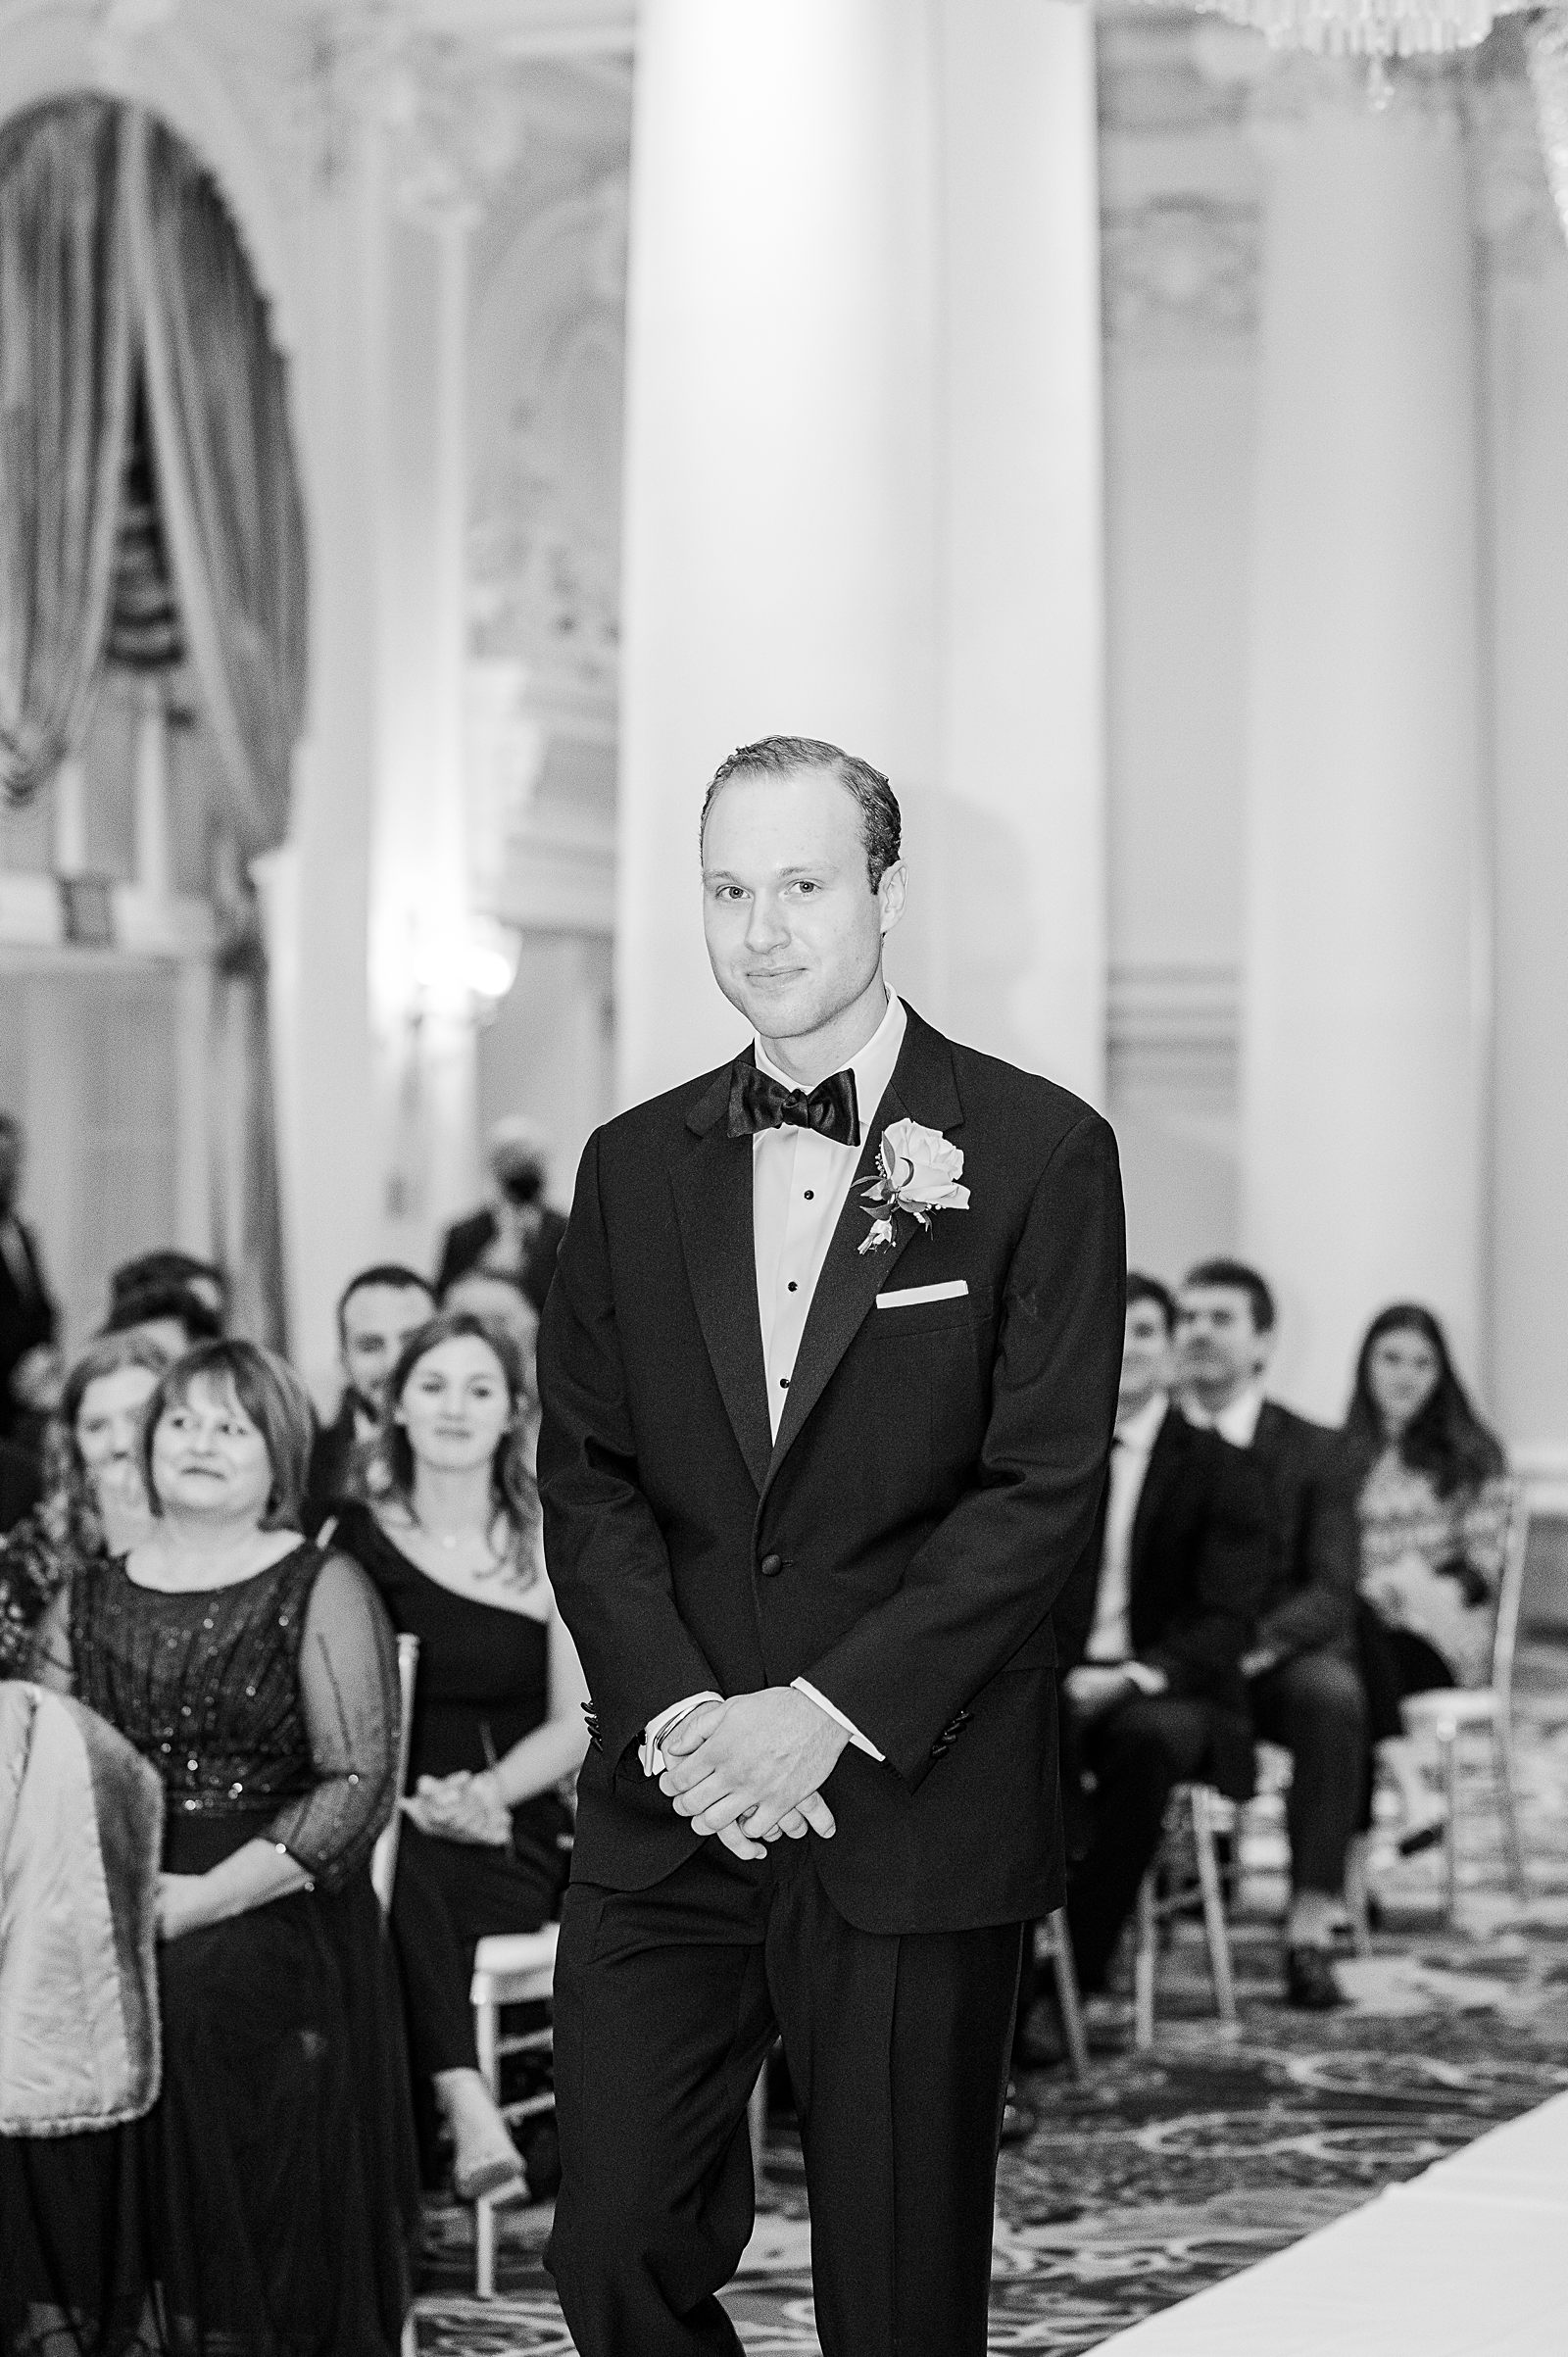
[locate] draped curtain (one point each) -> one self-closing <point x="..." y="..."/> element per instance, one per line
<point x="66" y="360"/>
<point x="222" y="455"/>
<point x="126" y="297"/>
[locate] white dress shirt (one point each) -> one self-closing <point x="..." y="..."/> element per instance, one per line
<point x="1111" y="1637"/>
<point x="1236" y="1421"/>
<point x="800" y="1182"/>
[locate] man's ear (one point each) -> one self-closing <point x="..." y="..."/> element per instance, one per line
<point x="890" y="893"/>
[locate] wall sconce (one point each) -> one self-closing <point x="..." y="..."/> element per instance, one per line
<point x="465" y="972"/>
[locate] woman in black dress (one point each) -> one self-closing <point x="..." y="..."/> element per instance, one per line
<point x="268" y="2201"/>
<point x="454" y="1547"/>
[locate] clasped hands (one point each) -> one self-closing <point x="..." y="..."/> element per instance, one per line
<point x="748" y="1770"/>
<point x="461" y="1808"/>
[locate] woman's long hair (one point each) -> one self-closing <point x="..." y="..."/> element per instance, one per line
<point x="512" y="1488"/>
<point x="1445" y="1438"/>
<point x="71" y="1505"/>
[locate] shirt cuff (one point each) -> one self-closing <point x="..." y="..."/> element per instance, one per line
<point x="652" y="1757"/>
<point x="862" y="1742"/>
<point x="1148" y="1680"/>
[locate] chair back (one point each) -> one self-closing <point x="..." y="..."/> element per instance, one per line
<point x="385" y="1857"/>
<point x="1510" y="1596"/>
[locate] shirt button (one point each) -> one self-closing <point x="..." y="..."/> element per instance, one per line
<point x="794" y="1288"/>
<point x="783" y="1383"/>
<point x="770" y="1566"/>
<point x="810" y="1195"/>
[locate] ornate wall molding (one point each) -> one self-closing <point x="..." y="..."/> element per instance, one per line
<point x="1174" y="1032"/>
<point x="1179" y="271"/>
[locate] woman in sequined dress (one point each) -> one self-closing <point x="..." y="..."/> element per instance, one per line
<point x="268" y="2201"/>
<point x="94" y="1504"/>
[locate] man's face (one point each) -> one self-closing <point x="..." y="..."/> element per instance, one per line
<point x="377" y="1321"/>
<point x="794" y="929"/>
<point x="10" y="1167"/>
<point x="1145" y="1355"/>
<point x="1219" y="1348"/>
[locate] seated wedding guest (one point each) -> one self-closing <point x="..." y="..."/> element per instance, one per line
<point x="94" y="1504"/>
<point x="454" y="1547"/>
<point x="376" y="1313"/>
<point x="517" y="1235"/>
<point x="267" y="2199"/>
<point x="1433" y="1502"/>
<point x="29" y="1361"/>
<point x="204" y="1277"/>
<point x="1150" y="1635"/>
<point x="169" y="1314"/>
<point x="1304" y="1686"/>
<point x="504" y="1304"/>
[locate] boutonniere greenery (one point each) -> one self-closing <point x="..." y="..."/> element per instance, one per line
<point x="919" y="1172"/>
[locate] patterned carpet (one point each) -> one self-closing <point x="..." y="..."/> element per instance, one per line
<point x="1170" y="2171"/>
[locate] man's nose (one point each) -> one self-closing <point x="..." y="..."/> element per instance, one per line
<point x="765" y="926"/>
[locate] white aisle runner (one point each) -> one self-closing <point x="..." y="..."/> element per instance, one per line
<point x="1469" y="2260"/>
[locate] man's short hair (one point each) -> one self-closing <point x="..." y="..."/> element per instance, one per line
<point x="1150" y="1289"/>
<point x="881" y="823"/>
<point x="393" y="1274"/>
<point x="154" y="1303"/>
<point x="1237" y="1277"/>
<point x="165" y="1269"/>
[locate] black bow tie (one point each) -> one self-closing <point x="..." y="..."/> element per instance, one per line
<point x="757" y="1101"/>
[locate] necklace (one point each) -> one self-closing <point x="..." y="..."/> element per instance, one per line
<point x="447" y="1541"/>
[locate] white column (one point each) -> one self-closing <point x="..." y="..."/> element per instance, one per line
<point x="316" y="889"/>
<point x="153" y="870"/>
<point x="861" y="493"/>
<point x="1364" y="998"/>
<point x="420" y="923"/>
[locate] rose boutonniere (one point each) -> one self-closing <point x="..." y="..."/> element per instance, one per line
<point x="919" y="1172"/>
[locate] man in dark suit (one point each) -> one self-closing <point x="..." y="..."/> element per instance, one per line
<point x="377" y="1310"/>
<point x="1152" y="1633"/>
<point x="27" y="1320"/>
<point x="518" y="1234"/>
<point x="1305" y="1689"/>
<point x="828" y="1373"/>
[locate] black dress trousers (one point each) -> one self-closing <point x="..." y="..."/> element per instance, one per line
<point x="666" y="2003"/>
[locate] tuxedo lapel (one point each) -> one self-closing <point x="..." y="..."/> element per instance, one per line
<point x="713" y="1186"/>
<point x="922" y="1089"/>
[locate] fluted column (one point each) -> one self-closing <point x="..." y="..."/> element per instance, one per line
<point x="1364" y="992"/>
<point x="862" y="486"/>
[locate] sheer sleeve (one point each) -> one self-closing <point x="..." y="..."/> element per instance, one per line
<point x="49" y="1659"/>
<point x="348" y="1691"/>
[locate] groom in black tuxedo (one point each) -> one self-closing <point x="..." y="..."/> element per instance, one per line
<point x="829" y="1371"/>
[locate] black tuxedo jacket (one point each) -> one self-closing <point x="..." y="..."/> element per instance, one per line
<point x="465" y="1245"/>
<point x="936" y="1476"/>
<point x="1198" y="1571"/>
<point x="1314" y="1544"/>
<point x="26" y="1319"/>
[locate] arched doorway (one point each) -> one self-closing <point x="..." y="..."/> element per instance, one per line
<point x="152" y="685"/>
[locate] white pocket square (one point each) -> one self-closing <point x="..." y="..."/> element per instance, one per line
<point x="906" y="1297"/>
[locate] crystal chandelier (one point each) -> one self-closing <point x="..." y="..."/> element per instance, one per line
<point x="1372" y="28"/>
<point x="1546" y="48"/>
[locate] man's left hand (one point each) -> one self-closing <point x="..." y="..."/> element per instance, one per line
<point x="752" y="1761"/>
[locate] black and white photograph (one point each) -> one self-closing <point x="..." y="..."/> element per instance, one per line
<point x="783" y="1155"/>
